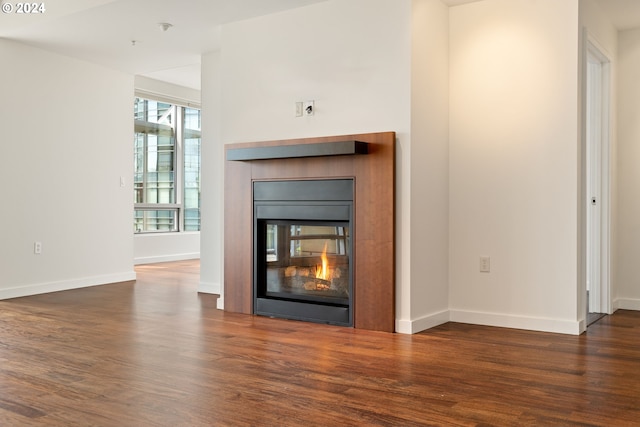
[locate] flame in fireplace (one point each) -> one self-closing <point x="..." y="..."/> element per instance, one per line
<point x="322" y="272"/>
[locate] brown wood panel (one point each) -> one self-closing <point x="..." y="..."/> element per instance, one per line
<point x="374" y="205"/>
<point x="375" y="232"/>
<point x="238" y="238"/>
<point x="157" y="353"/>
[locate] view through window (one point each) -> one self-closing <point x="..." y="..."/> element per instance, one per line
<point x="166" y="167"/>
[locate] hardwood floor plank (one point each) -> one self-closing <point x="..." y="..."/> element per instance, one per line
<point x="156" y="353"/>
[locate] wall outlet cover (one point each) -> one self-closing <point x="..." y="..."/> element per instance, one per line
<point x="309" y="108"/>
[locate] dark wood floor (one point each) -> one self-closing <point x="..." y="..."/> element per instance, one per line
<point x="156" y="353"/>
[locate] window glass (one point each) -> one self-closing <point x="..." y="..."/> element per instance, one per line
<point x="158" y="159"/>
<point x="191" y="169"/>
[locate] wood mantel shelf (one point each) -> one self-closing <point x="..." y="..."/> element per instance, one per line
<point x="320" y="149"/>
<point x="330" y="157"/>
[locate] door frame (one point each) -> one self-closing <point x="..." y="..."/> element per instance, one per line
<point x="597" y="223"/>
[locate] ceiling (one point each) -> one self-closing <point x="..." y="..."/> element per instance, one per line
<point x="104" y="31"/>
<point x="624" y="14"/>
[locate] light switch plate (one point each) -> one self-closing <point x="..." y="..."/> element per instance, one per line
<point x="485" y="264"/>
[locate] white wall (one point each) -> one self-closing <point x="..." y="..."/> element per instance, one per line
<point x="627" y="294"/>
<point x="66" y="143"/>
<point x="485" y="100"/>
<point x="212" y="206"/>
<point x="163" y="247"/>
<point x="157" y="89"/>
<point x="513" y="163"/>
<point x="352" y="57"/>
<point x="428" y="162"/>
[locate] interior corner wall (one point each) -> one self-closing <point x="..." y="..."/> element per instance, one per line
<point x="352" y="57"/>
<point x="212" y="155"/>
<point x="627" y="293"/>
<point x="598" y="30"/>
<point x="513" y="163"/>
<point x="429" y="182"/>
<point x="66" y="140"/>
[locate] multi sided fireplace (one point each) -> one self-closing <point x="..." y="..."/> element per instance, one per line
<point x="303" y="250"/>
<point x="276" y="192"/>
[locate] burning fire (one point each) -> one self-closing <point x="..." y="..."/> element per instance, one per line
<point x="322" y="272"/>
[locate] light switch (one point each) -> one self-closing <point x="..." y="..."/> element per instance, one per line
<point x="485" y="264"/>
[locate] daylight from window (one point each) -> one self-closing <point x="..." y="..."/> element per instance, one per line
<point x="166" y="167"/>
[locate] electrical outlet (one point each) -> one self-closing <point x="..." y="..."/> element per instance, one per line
<point x="485" y="264"/>
<point x="309" y="108"/>
<point x="37" y="248"/>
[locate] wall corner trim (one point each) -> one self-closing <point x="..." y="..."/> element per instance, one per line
<point x="422" y="323"/>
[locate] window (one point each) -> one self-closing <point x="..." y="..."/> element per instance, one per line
<point x="166" y="167"/>
<point x="191" y="169"/>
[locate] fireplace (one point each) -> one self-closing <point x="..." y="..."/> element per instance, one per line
<point x="284" y="201"/>
<point x="302" y="250"/>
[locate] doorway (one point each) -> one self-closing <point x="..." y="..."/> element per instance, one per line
<point x="597" y="150"/>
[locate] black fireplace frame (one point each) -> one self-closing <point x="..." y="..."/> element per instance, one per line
<point x="305" y="201"/>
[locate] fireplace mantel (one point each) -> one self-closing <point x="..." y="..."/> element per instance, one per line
<point x="374" y="207"/>
<point x="321" y="149"/>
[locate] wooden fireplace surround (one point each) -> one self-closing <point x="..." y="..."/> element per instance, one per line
<point x="374" y="206"/>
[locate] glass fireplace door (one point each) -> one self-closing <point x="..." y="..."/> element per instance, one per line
<point x="307" y="260"/>
<point x="302" y="250"/>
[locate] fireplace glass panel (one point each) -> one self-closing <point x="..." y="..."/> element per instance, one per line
<point x="307" y="260"/>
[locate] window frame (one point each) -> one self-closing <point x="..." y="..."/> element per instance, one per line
<point x="177" y="127"/>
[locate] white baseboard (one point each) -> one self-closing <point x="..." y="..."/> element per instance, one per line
<point x="166" y="258"/>
<point x="518" y="322"/>
<point x="626" y="304"/>
<point x="220" y="303"/>
<point x="209" y="288"/>
<point x="65" y="285"/>
<point x="422" y="323"/>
